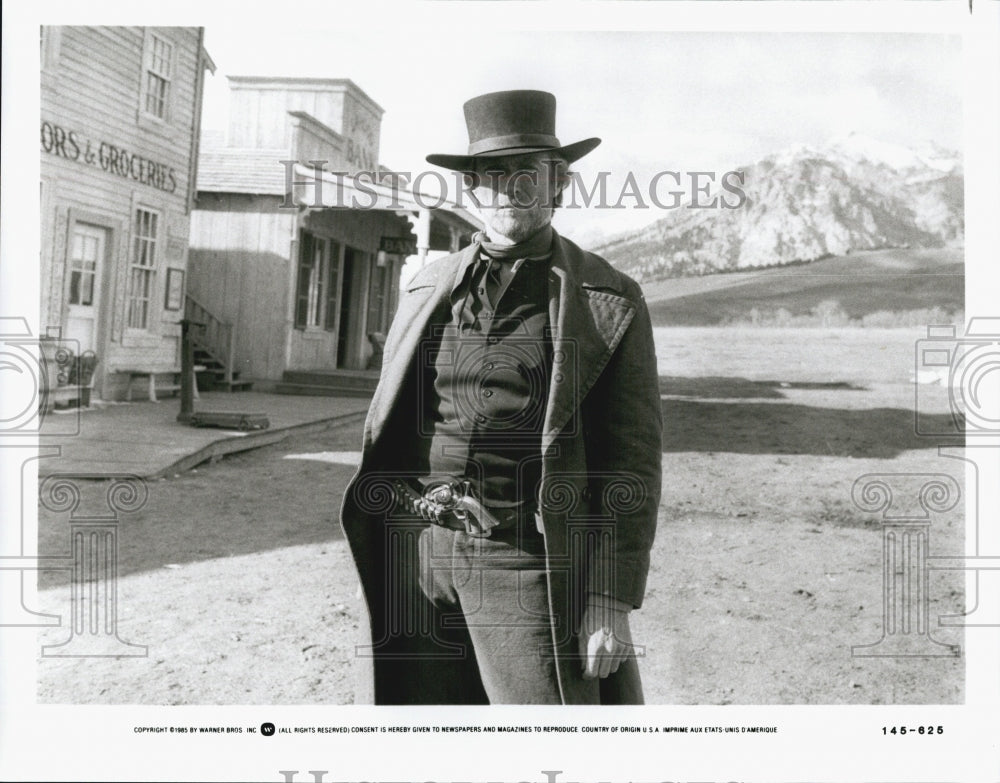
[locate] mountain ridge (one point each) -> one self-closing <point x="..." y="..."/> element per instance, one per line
<point x="802" y="204"/>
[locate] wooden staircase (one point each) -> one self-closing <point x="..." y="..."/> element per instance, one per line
<point x="214" y="350"/>
<point x="329" y="383"/>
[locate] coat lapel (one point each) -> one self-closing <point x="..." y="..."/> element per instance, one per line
<point x="423" y="295"/>
<point x="588" y="312"/>
<point x="589" y="315"/>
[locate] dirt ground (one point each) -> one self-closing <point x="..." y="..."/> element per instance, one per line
<point x="237" y="579"/>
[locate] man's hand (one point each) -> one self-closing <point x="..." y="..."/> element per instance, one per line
<point x="605" y="638"/>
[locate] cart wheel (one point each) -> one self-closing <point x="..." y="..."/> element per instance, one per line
<point x="244" y="425"/>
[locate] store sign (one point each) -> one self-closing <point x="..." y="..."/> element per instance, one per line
<point x="400" y="246"/>
<point x="111" y="158"/>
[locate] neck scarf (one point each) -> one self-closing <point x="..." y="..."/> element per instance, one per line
<point x="537" y="246"/>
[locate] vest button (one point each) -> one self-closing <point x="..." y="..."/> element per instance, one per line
<point x="480" y="418"/>
<point x="487" y="392"/>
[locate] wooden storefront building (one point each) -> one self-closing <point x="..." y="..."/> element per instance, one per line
<point x="298" y="291"/>
<point x="120" y="125"/>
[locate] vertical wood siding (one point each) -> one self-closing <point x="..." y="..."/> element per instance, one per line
<point x="94" y="90"/>
<point x="242" y="267"/>
<point x="239" y="270"/>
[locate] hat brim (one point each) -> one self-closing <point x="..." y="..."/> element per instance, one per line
<point x="571" y="153"/>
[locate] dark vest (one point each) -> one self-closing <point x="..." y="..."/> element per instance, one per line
<point x="486" y="384"/>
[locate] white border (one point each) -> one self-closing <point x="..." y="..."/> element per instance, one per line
<point x="815" y="743"/>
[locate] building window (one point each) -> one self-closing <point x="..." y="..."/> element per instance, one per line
<point x="83" y="268"/>
<point x="316" y="287"/>
<point x="142" y="268"/>
<point x="378" y="297"/>
<point x="156" y="81"/>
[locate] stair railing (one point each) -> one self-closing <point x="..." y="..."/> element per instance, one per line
<point x="216" y="337"/>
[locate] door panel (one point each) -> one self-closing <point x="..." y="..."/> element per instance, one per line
<point x="83" y="286"/>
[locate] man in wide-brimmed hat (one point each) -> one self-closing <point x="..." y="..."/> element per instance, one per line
<point x="504" y="509"/>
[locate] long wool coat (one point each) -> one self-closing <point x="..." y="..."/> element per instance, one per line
<point x="600" y="488"/>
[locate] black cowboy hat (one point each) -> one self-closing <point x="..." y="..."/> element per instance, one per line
<point x="514" y="122"/>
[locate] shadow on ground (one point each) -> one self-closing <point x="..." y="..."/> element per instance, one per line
<point x="258" y="500"/>
<point x="748" y="427"/>
<point x="248" y="502"/>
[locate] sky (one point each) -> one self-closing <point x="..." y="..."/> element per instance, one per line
<point x="683" y="101"/>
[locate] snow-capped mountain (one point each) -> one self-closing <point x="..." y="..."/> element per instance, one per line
<point x="804" y="203"/>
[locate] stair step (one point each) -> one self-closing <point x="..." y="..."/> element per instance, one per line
<point x="363" y="380"/>
<point x="235" y="386"/>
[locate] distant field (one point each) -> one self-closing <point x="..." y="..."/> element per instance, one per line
<point x="896" y="281"/>
<point x="849" y="356"/>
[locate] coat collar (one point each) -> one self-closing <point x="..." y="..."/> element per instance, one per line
<point x="589" y="311"/>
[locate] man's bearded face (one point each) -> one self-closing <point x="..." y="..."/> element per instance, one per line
<point x="515" y="195"/>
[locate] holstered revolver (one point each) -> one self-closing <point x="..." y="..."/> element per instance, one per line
<point x="445" y="502"/>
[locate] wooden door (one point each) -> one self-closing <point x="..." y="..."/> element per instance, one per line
<point x="83" y="286"/>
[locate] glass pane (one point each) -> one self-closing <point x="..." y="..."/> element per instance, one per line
<point x="156" y="92"/>
<point x="87" y="294"/>
<point x="320" y="274"/>
<point x="77" y="246"/>
<point x="160" y="60"/>
<point x="313" y="316"/>
<point x="74" y="288"/>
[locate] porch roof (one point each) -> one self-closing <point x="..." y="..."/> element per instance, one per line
<point x="332" y="190"/>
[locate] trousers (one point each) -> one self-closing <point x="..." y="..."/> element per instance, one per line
<point x="492" y="599"/>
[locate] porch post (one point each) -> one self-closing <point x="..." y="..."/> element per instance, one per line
<point x="423" y="232"/>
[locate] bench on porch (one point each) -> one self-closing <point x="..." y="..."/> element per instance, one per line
<point x="149" y="375"/>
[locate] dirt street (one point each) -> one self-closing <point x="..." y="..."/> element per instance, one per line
<point x="236" y="577"/>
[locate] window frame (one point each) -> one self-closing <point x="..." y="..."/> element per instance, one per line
<point x="150" y="243"/>
<point x="379" y="296"/>
<point x="317" y="283"/>
<point x="152" y="37"/>
<point x="77" y="276"/>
